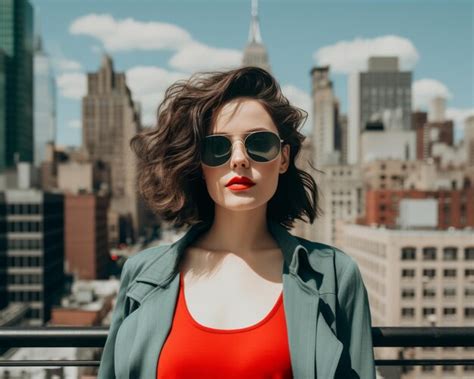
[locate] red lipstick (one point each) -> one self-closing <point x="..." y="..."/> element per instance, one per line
<point x="239" y="183"/>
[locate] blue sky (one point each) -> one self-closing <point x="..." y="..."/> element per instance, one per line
<point x="158" y="42"/>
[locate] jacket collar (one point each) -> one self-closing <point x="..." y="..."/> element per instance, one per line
<point x="161" y="273"/>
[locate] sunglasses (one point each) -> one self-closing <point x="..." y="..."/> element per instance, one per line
<point x="261" y="146"/>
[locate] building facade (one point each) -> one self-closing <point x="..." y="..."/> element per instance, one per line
<point x="341" y="198"/>
<point x="326" y="134"/>
<point x="110" y="119"/>
<point x="86" y="236"/>
<point x="16" y="83"/>
<point x="32" y="247"/>
<point x="44" y="103"/>
<point x="383" y="91"/>
<point x="416" y="278"/>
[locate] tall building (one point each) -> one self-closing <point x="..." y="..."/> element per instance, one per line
<point x="33" y="247"/>
<point x="255" y="53"/>
<point x="342" y="198"/>
<point x="326" y="133"/>
<point x="344" y="137"/>
<point x="44" y="103"/>
<point x="469" y="140"/>
<point x="418" y="124"/>
<point x="109" y="120"/>
<point x="16" y="82"/>
<point x="383" y="92"/>
<point x="437" y="109"/>
<point x="416" y="278"/>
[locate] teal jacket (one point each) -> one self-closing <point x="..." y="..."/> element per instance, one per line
<point x="325" y="301"/>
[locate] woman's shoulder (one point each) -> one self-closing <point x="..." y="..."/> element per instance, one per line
<point x="341" y="262"/>
<point x="136" y="263"/>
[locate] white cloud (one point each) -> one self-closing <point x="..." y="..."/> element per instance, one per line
<point x="348" y="56"/>
<point x="74" y="124"/>
<point x="301" y="99"/>
<point x="148" y="85"/>
<point x="424" y="90"/>
<point x="72" y="85"/>
<point x="129" y="34"/>
<point x="199" y="57"/>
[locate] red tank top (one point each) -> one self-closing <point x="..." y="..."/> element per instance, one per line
<point x="195" y="351"/>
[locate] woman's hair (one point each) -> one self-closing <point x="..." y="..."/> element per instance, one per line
<point x="169" y="155"/>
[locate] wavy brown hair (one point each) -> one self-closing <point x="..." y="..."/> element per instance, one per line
<point x="169" y="155"/>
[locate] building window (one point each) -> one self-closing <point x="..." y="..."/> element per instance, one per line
<point x="408" y="312"/>
<point x="450" y="253"/>
<point x="408" y="293"/>
<point x="449" y="311"/>
<point x="447" y="368"/>
<point x="469" y="272"/>
<point x="469" y="253"/>
<point x="449" y="272"/>
<point x="408" y="253"/>
<point x="427" y="368"/>
<point x="469" y="292"/>
<point x="449" y="292"/>
<point x="429" y="292"/>
<point x="429" y="254"/>
<point x="469" y="312"/>
<point x="429" y="272"/>
<point x="408" y="273"/>
<point x="428" y="311"/>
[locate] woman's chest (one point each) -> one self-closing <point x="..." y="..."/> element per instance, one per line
<point x="231" y="293"/>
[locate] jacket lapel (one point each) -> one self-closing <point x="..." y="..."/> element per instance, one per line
<point x="310" y="336"/>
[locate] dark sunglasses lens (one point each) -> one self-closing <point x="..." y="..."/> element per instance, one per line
<point x="263" y="146"/>
<point x="215" y="150"/>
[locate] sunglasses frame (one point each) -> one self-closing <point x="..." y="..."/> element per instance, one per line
<point x="244" y="140"/>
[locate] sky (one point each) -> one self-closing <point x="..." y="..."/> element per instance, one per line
<point x="156" y="42"/>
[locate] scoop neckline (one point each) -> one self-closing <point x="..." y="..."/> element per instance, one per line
<point x="235" y="330"/>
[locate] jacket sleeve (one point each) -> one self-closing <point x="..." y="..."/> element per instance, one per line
<point x="106" y="367"/>
<point x="354" y="326"/>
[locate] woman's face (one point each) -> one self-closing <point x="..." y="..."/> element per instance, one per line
<point x="237" y="118"/>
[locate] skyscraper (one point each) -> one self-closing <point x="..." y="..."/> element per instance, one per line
<point x="109" y="120"/>
<point x="437" y="109"/>
<point x="44" y="102"/>
<point x="383" y="92"/>
<point x="255" y="53"/>
<point x="16" y="72"/>
<point x="469" y="140"/>
<point x="326" y="133"/>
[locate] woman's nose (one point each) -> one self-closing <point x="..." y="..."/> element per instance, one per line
<point x="239" y="154"/>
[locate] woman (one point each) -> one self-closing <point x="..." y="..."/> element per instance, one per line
<point x="237" y="296"/>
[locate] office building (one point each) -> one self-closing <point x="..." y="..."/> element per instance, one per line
<point x="381" y="91"/>
<point x="16" y="83"/>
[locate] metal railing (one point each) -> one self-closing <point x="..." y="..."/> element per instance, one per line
<point x="95" y="338"/>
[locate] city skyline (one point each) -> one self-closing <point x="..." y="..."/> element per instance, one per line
<point x="76" y="35"/>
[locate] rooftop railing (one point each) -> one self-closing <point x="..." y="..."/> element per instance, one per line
<point x="95" y="337"/>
